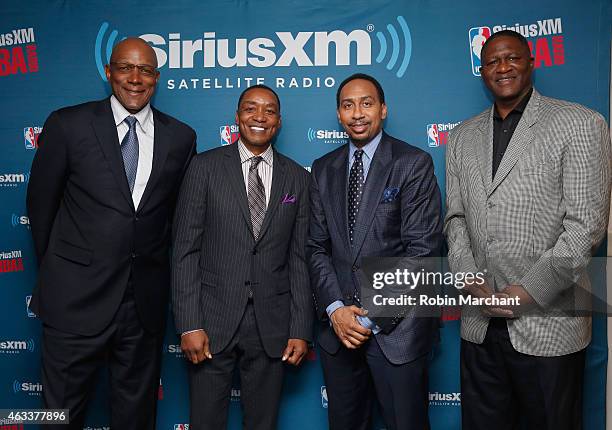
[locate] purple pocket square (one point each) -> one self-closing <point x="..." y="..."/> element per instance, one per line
<point x="288" y="199"/>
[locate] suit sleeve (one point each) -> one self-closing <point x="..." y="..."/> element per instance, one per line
<point x="48" y="178"/>
<point x="187" y="235"/>
<point x="586" y="176"/>
<point x="322" y="273"/>
<point x="460" y="255"/>
<point x="301" y="295"/>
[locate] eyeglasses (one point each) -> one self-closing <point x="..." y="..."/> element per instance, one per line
<point x="126" y="68"/>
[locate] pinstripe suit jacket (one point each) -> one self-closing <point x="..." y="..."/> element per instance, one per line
<point x="216" y="259"/>
<point x="408" y="226"/>
<point x="537" y="222"/>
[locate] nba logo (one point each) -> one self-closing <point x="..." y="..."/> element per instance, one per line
<point x="30" y="313"/>
<point x="229" y="134"/>
<point x="324" y="402"/>
<point x="181" y="426"/>
<point x="433" y="136"/>
<point x="30" y="137"/>
<point x="478" y="36"/>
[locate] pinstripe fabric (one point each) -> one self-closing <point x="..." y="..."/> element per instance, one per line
<point x="216" y="259"/>
<point x="536" y="222"/>
<point x="264" y="169"/>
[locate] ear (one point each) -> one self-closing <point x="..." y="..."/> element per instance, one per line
<point x="383" y="113"/>
<point x="107" y="72"/>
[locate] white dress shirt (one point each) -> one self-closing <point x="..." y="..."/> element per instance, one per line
<point x="144" y="131"/>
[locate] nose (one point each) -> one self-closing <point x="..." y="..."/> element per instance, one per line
<point x="503" y="66"/>
<point x="134" y="77"/>
<point x="357" y="112"/>
<point x="260" y="115"/>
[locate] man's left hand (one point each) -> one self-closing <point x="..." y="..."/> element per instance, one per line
<point x="295" y="351"/>
<point x="522" y="298"/>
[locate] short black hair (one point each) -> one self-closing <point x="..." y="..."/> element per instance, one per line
<point x="506" y="33"/>
<point x="263" y="87"/>
<point x="379" y="89"/>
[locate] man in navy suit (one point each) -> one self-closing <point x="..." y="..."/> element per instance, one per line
<point x="374" y="197"/>
<point x="100" y="200"/>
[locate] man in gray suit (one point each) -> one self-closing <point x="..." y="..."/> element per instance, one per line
<point x="240" y="287"/>
<point x="528" y="188"/>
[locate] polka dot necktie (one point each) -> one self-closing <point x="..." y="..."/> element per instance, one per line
<point x="355" y="191"/>
<point x="129" y="151"/>
<point x="256" y="197"/>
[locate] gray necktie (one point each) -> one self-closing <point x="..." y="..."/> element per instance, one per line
<point x="129" y="151"/>
<point x="256" y="196"/>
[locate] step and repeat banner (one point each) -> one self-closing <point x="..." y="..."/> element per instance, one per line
<point x="424" y="53"/>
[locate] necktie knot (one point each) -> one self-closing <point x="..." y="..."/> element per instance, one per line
<point x="358" y="154"/>
<point x="130" y="121"/>
<point x="255" y="162"/>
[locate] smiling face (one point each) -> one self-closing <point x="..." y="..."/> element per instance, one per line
<point x="133" y="88"/>
<point x="360" y="111"/>
<point x="258" y="118"/>
<point x="506" y="71"/>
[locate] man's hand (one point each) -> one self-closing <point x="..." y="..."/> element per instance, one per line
<point x="347" y="328"/>
<point x="195" y="346"/>
<point x="295" y="351"/>
<point x="522" y="298"/>
<point x="484" y="291"/>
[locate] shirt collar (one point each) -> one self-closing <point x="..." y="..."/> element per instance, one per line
<point x="519" y="108"/>
<point x="120" y="114"/>
<point x="246" y="155"/>
<point x="369" y="148"/>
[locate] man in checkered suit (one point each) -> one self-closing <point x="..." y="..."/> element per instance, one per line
<point x="528" y="189"/>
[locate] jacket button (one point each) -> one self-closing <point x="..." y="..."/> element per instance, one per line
<point x="134" y="255"/>
<point x="247" y="283"/>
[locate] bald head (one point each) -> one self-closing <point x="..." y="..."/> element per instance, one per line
<point x="134" y="43"/>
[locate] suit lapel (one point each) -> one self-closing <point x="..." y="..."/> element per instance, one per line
<point x="106" y="133"/>
<point x="338" y="191"/>
<point x="161" y="146"/>
<point x="236" y="180"/>
<point x="379" y="172"/>
<point x="522" y="137"/>
<point x="278" y="183"/>
<point x="484" y="149"/>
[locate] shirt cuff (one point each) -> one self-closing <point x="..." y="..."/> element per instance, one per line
<point x="368" y="323"/>
<point x="191" y="331"/>
<point x="333" y="308"/>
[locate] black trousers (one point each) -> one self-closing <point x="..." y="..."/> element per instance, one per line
<point x="503" y="389"/>
<point x="71" y="362"/>
<point x="261" y="381"/>
<point x="354" y="377"/>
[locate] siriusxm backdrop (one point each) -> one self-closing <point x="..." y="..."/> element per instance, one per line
<point x="52" y="53"/>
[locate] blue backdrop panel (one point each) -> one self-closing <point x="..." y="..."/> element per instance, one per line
<point x="52" y="53"/>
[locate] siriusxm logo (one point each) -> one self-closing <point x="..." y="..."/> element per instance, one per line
<point x="174" y="349"/>
<point x="281" y="50"/>
<point x="181" y="426"/>
<point x="444" y="399"/>
<point x="327" y="136"/>
<point x="31" y="388"/>
<point x="235" y="395"/>
<point x="13" y="179"/>
<point x="16" y="346"/>
<point x="437" y="134"/>
<point x="17" y="220"/>
<point x="324" y="402"/>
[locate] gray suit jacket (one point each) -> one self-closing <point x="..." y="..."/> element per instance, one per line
<point x="216" y="259"/>
<point x="537" y="222"/>
<point x="410" y="225"/>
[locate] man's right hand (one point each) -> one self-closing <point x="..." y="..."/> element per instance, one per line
<point x="347" y="328"/>
<point x="195" y="346"/>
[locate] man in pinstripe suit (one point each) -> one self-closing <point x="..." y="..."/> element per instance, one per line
<point x="528" y="188"/>
<point x="241" y="292"/>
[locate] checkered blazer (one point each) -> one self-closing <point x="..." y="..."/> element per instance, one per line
<point x="536" y="222"/>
